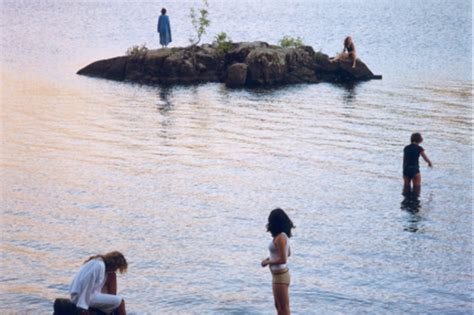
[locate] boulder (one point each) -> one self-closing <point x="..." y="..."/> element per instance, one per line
<point x="112" y="69"/>
<point x="240" y="51"/>
<point x="360" y="72"/>
<point x="245" y="64"/>
<point x="342" y="71"/>
<point x="301" y="66"/>
<point x="266" y="66"/>
<point x="236" y="75"/>
<point x="153" y="62"/>
<point x="172" y="64"/>
<point x="66" y="307"/>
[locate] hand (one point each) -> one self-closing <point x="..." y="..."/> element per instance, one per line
<point x="265" y="262"/>
<point x="430" y="164"/>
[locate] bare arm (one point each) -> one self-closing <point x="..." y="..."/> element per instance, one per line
<point x="280" y="242"/>
<point x="354" y="55"/>
<point x="425" y="157"/>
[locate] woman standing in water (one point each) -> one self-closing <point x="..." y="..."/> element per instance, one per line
<point x="164" y="28"/>
<point x="411" y="167"/>
<point x="279" y="225"/>
<point x="95" y="285"/>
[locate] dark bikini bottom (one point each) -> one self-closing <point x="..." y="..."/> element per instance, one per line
<point x="410" y="171"/>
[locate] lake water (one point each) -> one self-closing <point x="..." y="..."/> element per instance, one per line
<point x="182" y="179"/>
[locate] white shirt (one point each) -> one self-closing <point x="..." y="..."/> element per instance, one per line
<point x="89" y="280"/>
<point x="275" y="253"/>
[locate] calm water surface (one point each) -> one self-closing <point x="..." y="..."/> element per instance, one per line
<point x="181" y="179"/>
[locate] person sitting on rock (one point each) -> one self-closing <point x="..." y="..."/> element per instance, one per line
<point x="350" y="54"/>
<point x="95" y="285"/>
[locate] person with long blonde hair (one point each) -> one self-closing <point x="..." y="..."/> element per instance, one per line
<point x="348" y="52"/>
<point x="95" y="285"/>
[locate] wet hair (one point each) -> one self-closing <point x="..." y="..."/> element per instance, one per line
<point x="416" y="138"/>
<point x="278" y="221"/>
<point x="347" y="40"/>
<point x="113" y="261"/>
<point x="163" y="11"/>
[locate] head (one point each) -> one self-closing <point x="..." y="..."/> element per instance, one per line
<point x="113" y="261"/>
<point x="163" y="11"/>
<point x="416" y="138"/>
<point x="347" y="41"/>
<point x="278" y="221"/>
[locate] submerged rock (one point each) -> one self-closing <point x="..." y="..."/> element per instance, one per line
<point x="245" y="64"/>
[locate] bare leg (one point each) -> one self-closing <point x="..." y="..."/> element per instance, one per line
<point x="110" y="287"/>
<point x="282" y="299"/>
<point x="122" y="310"/>
<point x="353" y="57"/>
<point x="406" y="186"/>
<point x="417" y="184"/>
<point x="339" y="56"/>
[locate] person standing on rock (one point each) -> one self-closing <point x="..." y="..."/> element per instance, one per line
<point x="350" y="54"/>
<point x="280" y="226"/>
<point x="95" y="285"/>
<point x="164" y="28"/>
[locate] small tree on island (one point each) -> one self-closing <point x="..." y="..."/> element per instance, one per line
<point x="288" y="41"/>
<point x="199" y="23"/>
<point x="224" y="43"/>
<point x="137" y="51"/>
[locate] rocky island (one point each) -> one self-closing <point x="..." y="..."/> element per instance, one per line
<point x="244" y="64"/>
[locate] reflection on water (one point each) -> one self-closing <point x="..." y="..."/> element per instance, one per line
<point x="412" y="205"/>
<point x="181" y="179"/>
<point x="350" y="92"/>
<point x="165" y="106"/>
<point x="165" y="103"/>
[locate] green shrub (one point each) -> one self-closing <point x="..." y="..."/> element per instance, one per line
<point x="224" y="43"/>
<point x="137" y="51"/>
<point x="199" y="23"/>
<point x="288" y="41"/>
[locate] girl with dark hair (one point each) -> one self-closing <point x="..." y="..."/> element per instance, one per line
<point x="411" y="167"/>
<point x="95" y="285"/>
<point x="279" y="225"/>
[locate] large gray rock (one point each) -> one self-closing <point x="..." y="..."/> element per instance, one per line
<point x="63" y="306"/>
<point x="236" y="75"/>
<point x="240" y="51"/>
<point x="249" y="64"/>
<point x="301" y="65"/>
<point x="266" y="66"/>
<point x="113" y="69"/>
<point x="342" y="71"/>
